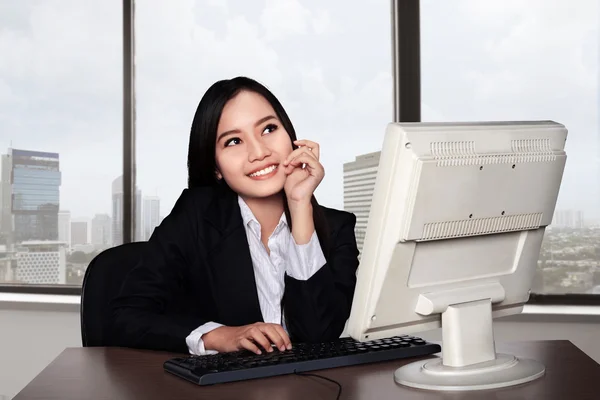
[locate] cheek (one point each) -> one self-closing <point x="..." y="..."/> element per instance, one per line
<point x="228" y="163"/>
<point x="283" y="144"/>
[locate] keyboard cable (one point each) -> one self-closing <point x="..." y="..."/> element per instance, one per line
<point x="325" y="378"/>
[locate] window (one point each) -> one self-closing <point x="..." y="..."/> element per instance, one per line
<point x="329" y="63"/>
<point x="524" y="60"/>
<point x="60" y="137"/>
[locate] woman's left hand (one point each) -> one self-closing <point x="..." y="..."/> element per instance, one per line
<point x="302" y="182"/>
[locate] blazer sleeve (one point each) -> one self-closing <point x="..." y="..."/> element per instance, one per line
<point x="139" y="312"/>
<point x="317" y="309"/>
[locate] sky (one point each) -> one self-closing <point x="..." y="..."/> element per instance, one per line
<point x="328" y="62"/>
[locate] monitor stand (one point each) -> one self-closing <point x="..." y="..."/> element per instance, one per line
<point x="469" y="360"/>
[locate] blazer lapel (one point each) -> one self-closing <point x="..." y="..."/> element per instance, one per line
<point x="230" y="262"/>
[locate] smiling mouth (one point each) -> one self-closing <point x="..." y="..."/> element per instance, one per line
<point x="263" y="172"/>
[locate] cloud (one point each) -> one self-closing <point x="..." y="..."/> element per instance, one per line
<point x="177" y="64"/>
<point x="60" y="90"/>
<point x="61" y="79"/>
<point x="281" y="18"/>
<point x="515" y="60"/>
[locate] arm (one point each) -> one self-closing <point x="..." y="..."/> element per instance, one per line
<point x="317" y="308"/>
<point x="139" y="312"/>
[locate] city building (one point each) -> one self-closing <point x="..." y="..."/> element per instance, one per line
<point x="64" y="227"/>
<point x="7" y="264"/>
<point x="117" y="212"/>
<point x="40" y="262"/>
<point x="572" y="219"/>
<point x="151" y="218"/>
<point x="80" y="232"/>
<point x="359" y="184"/>
<point x="5" y="199"/>
<point x="101" y="230"/>
<point x="30" y="195"/>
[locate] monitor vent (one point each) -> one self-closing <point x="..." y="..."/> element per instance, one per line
<point x="480" y="226"/>
<point x="464" y="153"/>
<point x="531" y="146"/>
<point x="453" y="149"/>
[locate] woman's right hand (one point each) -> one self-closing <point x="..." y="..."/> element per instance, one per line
<point x="254" y="337"/>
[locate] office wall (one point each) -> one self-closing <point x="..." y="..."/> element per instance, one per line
<point x="30" y="340"/>
<point x="31" y="337"/>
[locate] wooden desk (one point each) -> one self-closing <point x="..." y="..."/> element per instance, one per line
<point x="115" y="373"/>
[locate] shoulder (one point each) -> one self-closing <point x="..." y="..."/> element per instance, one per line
<point x="338" y="218"/>
<point x="194" y="202"/>
<point x="216" y="205"/>
<point x="197" y="197"/>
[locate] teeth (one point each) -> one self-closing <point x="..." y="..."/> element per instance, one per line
<point x="264" y="171"/>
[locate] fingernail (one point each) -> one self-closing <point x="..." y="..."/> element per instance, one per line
<point x="282" y="348"/>
<point x="258" y="352"/>
<point x="289" y="346"/>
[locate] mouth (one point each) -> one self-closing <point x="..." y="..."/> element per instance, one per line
<point x="265" y="172"/>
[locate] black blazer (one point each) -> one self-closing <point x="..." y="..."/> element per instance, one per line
<point x="197" y="268"/>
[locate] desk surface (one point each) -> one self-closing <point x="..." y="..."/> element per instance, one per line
<point x="116" y="373"/>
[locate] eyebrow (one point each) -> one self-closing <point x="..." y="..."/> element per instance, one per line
<point x="232" y="131"/>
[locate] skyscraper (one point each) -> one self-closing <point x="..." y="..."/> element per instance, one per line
<point x="33" y="190"/>
<point x="64" y="227"/>
<point x="572" y="219"/>
<point x="359" y="184"/>
<point x="117" y="212"/>
<point x="101" y="230"/>
<point x="5" y="197"/>
<point x="151" y="217"/>
<point x="79" y="232"/>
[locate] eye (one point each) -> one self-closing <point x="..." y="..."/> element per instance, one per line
<point x="232" y="142"/>
<point x="270" y="128"/>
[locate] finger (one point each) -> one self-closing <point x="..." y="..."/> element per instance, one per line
<point x="311" y="162"/>
<point x="300" y="160"/>
<point x="298" y="152"/>
<point x="316" y="149"/>
<point x="293" y="166"/>
<point x="248" y="345"/>
<point x="260" y="338"/>
<point x="286" y="338"/>
<point x="291" y="169"/>
<point x="274" y="336"/>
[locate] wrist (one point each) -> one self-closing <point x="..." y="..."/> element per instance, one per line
<point x="300" y="207"/>
<point x="210" y="339"/>
<point x="302" y="222"/>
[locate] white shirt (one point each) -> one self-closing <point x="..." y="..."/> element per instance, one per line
<point x="298" y="261"/>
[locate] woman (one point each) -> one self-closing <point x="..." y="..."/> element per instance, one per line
<point x="247" y="258"/>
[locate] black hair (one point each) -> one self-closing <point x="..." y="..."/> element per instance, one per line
<point x="203" y="136"/>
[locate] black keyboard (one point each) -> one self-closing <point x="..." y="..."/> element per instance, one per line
<point x="303" y="357"/>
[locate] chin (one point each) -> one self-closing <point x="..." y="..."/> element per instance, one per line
<point x="260" y="189"/>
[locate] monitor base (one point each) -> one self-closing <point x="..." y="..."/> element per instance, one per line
<point x="505" y="370"/>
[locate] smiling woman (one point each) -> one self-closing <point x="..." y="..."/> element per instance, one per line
<point x="247" y="258"/>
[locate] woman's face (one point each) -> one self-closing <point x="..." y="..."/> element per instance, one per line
<point x="251" y="143"/>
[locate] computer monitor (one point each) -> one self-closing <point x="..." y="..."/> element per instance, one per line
<point x="455" y="227"/>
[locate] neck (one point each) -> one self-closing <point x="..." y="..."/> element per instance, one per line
<point x="267" y="210"/>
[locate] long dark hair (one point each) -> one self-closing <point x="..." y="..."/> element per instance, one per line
<point x="203" y="136"/>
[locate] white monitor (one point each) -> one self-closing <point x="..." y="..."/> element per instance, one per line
<point x="454" y="233"/>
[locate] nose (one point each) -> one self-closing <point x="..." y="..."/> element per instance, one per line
<point x="257" y="151"/>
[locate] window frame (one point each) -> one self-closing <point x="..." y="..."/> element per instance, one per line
<point x="406" y="72"/>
